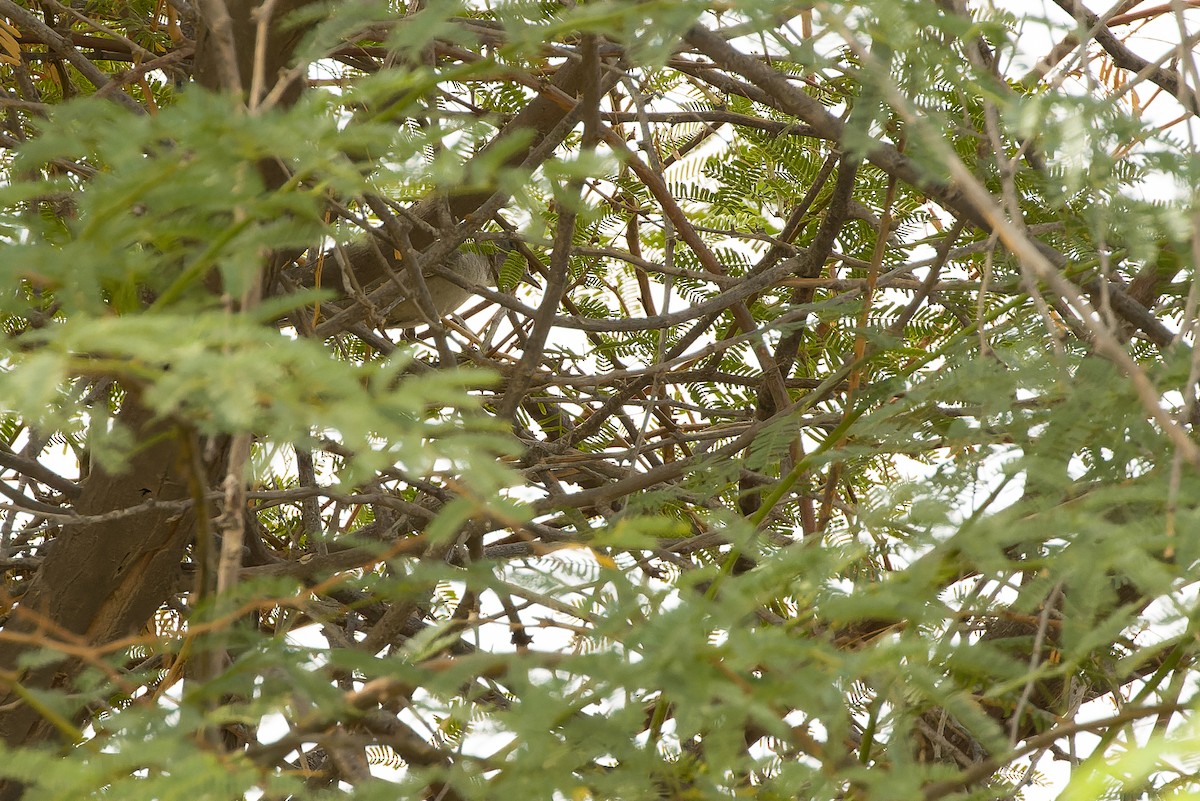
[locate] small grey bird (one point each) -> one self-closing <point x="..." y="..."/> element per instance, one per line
<point x="447" y="296"/>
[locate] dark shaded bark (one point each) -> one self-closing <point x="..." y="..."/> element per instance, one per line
<point x="102" y="580"/>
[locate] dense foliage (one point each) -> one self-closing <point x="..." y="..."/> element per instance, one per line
<point x="830" y="433"/>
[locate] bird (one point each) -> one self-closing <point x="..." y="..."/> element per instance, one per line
<point x="446" y="295"/>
